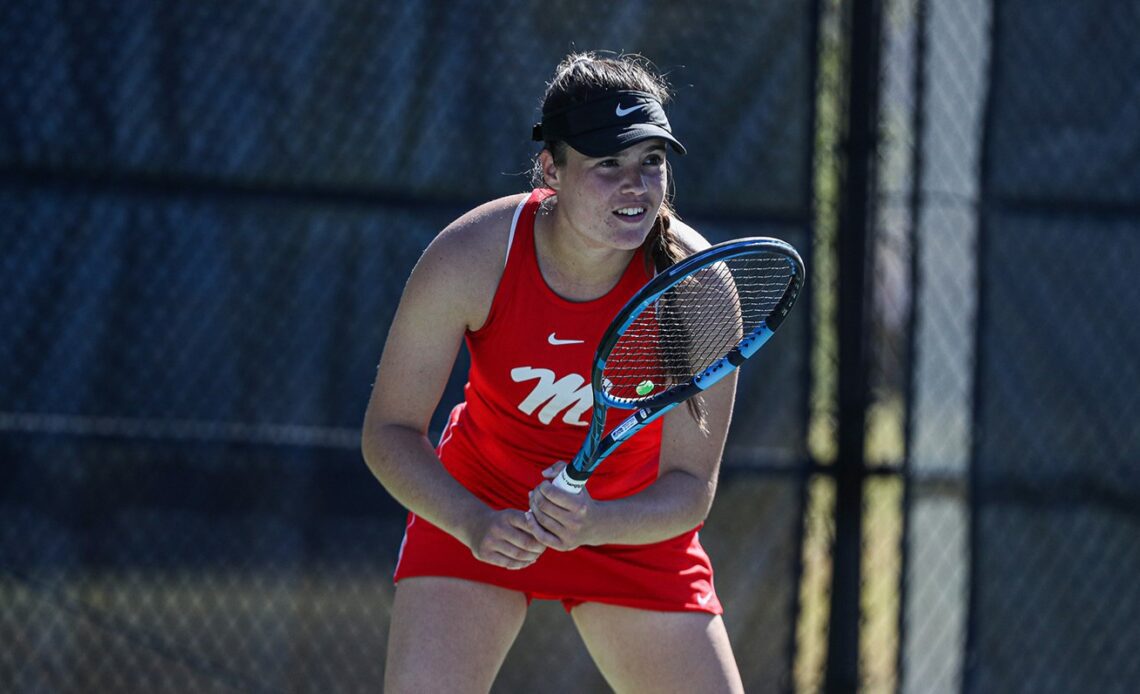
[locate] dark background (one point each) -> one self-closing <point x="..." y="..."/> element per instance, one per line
<point x="208" y="211"/>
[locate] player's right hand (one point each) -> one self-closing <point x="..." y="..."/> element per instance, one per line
<point x="504" y="539"/>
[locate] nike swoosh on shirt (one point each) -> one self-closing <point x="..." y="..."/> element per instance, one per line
<point x="704" y="598"/>
<point x="623" y="112"/>
<point x="555" y="341"/>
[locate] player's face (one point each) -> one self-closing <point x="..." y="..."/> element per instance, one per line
<point x="613" y="201"/>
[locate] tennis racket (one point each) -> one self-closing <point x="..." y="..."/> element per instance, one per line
<point x="689" y="327"/>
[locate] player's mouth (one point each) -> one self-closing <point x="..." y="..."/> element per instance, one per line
<point x="631" y="214"/>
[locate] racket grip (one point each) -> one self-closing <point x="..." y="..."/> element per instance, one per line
<point x="569" y="482"/>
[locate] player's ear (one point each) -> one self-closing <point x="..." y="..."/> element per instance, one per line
<point x="549" y="169"/>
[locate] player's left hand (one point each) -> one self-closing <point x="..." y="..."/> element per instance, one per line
<point x="557" y="518"/>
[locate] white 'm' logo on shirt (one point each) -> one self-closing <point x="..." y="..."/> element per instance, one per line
<point x="570" y="394"/>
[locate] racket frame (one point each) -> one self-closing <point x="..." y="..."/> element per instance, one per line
<point x="597" y="447"/>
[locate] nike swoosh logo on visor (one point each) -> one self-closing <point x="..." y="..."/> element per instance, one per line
<point x="555" y="341"/>
<point x="623" y="112"/>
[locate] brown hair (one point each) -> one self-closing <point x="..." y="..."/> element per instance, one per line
<point x="582" y="75"/>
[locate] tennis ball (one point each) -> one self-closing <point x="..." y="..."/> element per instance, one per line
<point x="645" y="388"/>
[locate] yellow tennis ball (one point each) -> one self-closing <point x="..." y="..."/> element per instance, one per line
<point x="645" y="388"/>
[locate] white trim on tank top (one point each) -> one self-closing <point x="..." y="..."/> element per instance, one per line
<point x="514" y="225"/>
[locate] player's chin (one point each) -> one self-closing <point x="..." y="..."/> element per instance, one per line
<point x="629" y="237"/>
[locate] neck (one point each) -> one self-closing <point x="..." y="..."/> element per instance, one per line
<point x="573" y="267"/>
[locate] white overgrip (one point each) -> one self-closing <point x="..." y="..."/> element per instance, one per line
<point x="567" y="483"/>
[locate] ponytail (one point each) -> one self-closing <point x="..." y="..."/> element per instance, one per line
<point x="663" y="250"/>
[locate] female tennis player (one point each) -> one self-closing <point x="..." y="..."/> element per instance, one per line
<point x="531" y="282"/>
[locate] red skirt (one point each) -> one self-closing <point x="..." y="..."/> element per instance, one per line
<point x="670" y="576"/>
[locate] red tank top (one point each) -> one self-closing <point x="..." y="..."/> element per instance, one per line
<point x="527" y="401"/>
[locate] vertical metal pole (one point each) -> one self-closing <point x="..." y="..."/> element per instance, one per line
<point x="855" y="217"/>
<point x="915" y="203"/>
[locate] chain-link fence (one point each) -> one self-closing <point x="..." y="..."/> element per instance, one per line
<point x="1055" y="471"/>
<point x="208" y="210"/>
<point x="999" y="467"/>
<point x="1021" y="466"/>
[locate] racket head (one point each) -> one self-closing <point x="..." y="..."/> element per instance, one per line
<point x="724" y="301"/>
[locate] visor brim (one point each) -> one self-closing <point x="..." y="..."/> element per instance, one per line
<point x="607" y="141"/>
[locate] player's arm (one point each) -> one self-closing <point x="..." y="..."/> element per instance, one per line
<point x="678" y="501"/>
<point x="448" y="292"/>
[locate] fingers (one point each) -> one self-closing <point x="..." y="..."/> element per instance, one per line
<point x="541" y="534"/>
<point x="509" y="542"/>
<point x="558" y="503"/>
<point x="507" y="561"/>
<point x="558" y="517"/>
<point x="554" y="470"/>
<point x="525" y="540"/>
<point x="520" y="544"/>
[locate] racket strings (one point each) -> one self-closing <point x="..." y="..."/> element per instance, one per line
<point x="695" y="323"/>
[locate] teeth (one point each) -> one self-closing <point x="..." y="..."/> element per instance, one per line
<point x="631" y="211"/>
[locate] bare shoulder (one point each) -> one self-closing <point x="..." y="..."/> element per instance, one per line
<point x="465" y="261"/>
<point x="481" y="232"/>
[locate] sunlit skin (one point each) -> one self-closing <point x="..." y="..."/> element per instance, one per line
<point x="451" y="633"/>
<point x="586" y="232"/>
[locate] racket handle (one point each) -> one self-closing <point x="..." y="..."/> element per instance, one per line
<point x="568" y="482"/>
